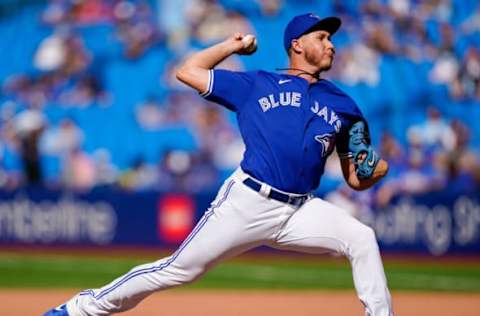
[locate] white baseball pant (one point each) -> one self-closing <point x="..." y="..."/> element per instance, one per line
<point x="240" y="219"/>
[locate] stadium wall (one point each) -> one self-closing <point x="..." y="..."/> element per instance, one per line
<point x="436" y="223"/>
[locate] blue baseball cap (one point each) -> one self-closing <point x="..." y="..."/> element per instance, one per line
<point x="306" y="23"/>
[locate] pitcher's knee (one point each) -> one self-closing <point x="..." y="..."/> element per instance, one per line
<point x="368" y="235"/>
<point x="188" y="275"/>
<point x="364" y="241"/>
<point x="195" y="275"/>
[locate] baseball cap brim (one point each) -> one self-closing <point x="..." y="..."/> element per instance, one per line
<point x="330" y="24"/>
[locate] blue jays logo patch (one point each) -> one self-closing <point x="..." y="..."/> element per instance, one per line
<point x="327" y="141"/>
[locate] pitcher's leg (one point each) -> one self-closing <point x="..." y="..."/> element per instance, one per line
<point x="218" y="234"/>
<point x="319" y="227"/>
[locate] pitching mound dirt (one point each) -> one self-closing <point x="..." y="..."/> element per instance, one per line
<point x="244" y="303"/>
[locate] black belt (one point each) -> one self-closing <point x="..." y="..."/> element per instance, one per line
<point x="277" y="195"/>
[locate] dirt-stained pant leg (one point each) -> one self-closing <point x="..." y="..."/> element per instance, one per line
<point x="319" y="227"/>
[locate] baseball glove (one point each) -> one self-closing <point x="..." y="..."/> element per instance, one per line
<point x="365" y="158"/>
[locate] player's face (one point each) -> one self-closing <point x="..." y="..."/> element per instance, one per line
<point x="319" y="50"/>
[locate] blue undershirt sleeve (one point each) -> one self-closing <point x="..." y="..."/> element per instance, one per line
<point x="350" y="117"/>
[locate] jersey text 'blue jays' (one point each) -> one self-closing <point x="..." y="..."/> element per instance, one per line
<point x="289" y="126"/>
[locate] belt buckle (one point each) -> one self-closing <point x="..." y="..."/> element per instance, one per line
<point x="296" y="201"/>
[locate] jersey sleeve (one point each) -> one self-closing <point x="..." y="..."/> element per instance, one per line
<point x="229" y="88"/>
<point x="349" y="116"/>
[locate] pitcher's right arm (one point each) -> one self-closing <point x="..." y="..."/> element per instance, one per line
<point x="194" y="71"/>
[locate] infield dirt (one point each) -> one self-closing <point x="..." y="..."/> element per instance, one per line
<point x="244" y="303"/>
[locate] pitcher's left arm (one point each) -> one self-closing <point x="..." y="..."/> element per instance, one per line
<point x="362" y="167"/>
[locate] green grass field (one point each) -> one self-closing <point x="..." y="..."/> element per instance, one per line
<point x="24" y="270"/>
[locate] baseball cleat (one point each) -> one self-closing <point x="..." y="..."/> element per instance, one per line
<point x="59" y="311"/>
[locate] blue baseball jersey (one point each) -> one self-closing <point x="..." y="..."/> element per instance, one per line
<point x="289" y="126"/>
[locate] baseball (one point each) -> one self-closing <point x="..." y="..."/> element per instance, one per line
<point x="249" y="43"/>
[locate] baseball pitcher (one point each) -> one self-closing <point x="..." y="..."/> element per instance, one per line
<point x="290" y="124"/>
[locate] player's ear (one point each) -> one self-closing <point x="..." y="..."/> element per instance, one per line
<point x="296" y="46"/>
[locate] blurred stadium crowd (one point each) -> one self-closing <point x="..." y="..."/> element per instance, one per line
<point x="89" y="99"/>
